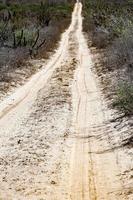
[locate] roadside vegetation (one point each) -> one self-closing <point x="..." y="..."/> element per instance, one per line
<point x="124" y="99"/>
<point x="109" y="25"/>
<point x="28" y="29"/>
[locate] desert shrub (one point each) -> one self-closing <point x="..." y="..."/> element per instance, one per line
<point x="27" y="38"/>
<point x="121" y="50"/>
<point x="124" y="99"/>
<point x="99" y="38"/>
<point x="1" y="26"/>
<point x="2" y="6"/>
<point x="114" y="17"/>
<point x="4" y="31"/>
<point x="44" y="16"/>
<point x="127" y="40"/>
<point x="18" y="57"/>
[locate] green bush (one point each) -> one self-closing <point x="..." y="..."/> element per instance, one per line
<point x="3" y="31"/>
<point x="2" y="6"/>
<point x="124" y="99"/>
<point x="111" y="15"/>
<point x="28" y="35"/>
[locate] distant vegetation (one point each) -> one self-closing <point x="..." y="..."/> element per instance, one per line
<point x="21" y="24"/>
<point x="124" y="100"/>
<point x="29" y="29"/>
<point x="110" y="28"/>
<point x="24" y="23"/>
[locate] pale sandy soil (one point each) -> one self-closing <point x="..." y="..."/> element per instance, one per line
<point x="57" y="141"/>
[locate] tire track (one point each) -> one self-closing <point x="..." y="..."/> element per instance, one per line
<point x="92" y="177"/>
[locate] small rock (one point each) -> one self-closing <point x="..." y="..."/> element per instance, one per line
<point x="19" y="141"/>
<point x="53" y="182"/>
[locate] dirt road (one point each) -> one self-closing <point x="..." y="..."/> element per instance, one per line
<point x="56" y="138"/>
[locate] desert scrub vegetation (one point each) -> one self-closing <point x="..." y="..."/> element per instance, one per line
<point x="124" y="99"/>
<point x="21" y="22"/>
<point x="29" y="29"/>
<point x="109" y="25"/>
<point x="107" y="17"/>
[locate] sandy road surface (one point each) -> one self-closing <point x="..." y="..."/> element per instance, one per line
<point x="56" y="139"/>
